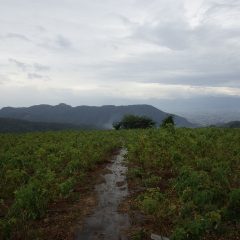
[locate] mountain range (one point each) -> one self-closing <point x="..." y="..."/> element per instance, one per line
<point x="11" y="125"/>
<point x="96" y="117"/>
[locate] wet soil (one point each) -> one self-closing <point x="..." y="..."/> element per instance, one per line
<point x="106" y="222"/>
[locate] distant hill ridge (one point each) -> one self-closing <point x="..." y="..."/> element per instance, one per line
<point x="100" y="117"/>
<point x="233" y="124"/>
<point x="10" y="125"/>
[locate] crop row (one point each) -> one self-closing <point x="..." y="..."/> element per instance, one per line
<point x="190" y="180"/>
<point x="40" y="168"/>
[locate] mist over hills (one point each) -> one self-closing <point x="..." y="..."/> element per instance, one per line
<point x="204" y="110"/>
<point x="99" y="117"/>
<point x="234" y="124"/>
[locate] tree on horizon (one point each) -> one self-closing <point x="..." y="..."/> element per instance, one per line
<point x="168" y="121"/>
<point x="134" y="122"/>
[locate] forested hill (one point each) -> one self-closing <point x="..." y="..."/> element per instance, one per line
<point x="102" y="117"/>
<point x="8" y="125"/>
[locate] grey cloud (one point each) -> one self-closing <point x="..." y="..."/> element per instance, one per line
<point x="37" y="76"/>
<point x="63" y="42"/>
<point x="34" y="75"/>
<point x="212" y="79"/>
<point x="40" y="67"/>
<point x="157" y="41"/>
<point x="213" y="68"/>
<point x="57" y="44"/>
<point x="176" y="33"/>
<point x="27" y="67"/>
<point x="41" y="28"/>
<point x="224" y="5"/>
<point x="179" y="36"/>
<point x="171" y="35"/>
<point x="206" y="55"/>
<point x="18" y="36"/>
<point x="21" y="65"/>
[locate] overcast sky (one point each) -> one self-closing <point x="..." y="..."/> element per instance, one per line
<point x="117" y="51"/>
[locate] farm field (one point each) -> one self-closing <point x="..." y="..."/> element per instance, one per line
<point x="38" y="170"/>
<point x="184" y="183"/>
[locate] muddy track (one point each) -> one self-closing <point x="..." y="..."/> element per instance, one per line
<point x="106" y="222"/>
<point x="92" y="210"/>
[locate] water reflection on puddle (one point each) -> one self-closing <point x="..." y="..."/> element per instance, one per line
<point x="106" y="222"/>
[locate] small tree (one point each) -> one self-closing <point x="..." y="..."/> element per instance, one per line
<point x="132" y="121"/>
<point x="168" y="121"/>
<point x="116" y="125"/>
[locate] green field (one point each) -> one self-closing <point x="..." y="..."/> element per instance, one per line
<point x="189" y="178"/>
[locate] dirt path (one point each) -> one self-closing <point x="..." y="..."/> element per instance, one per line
<point x="106" y="222"/>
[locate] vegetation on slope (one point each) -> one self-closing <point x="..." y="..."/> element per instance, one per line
<point x="11" y="125"/>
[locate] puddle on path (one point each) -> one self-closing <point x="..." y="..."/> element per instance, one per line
<point x="106" y="223"/>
